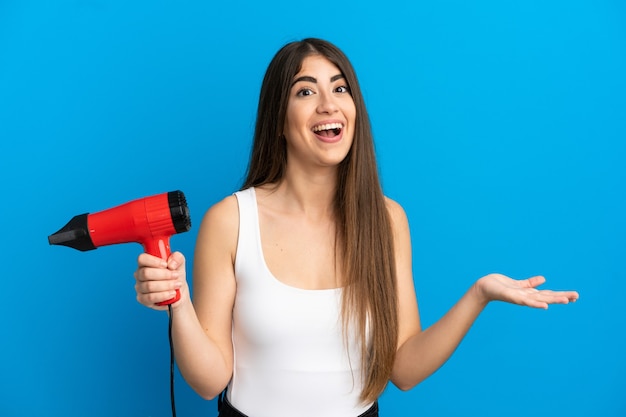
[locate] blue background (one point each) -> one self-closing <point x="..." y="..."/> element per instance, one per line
<point x="500" y="127"/>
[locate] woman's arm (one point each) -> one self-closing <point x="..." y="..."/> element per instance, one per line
<point x="201" y="330"/>
<point x="422" y="352"/>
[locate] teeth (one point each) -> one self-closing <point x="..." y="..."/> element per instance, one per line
<point x="328" y="126"/>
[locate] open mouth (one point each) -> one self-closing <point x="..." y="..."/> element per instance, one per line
<point x="329" y="130"/>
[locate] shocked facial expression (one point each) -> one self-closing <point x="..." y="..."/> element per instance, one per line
<point x="319" y="125"/>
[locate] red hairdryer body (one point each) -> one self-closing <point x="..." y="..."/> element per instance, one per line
<point x="150" y="221"/>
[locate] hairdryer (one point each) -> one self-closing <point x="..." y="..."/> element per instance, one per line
<point x="150" y="221"/>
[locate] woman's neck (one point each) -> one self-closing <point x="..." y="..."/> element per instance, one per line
<point x="312" y="195"/>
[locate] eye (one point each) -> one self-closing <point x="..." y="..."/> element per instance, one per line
<point x="342" y="89"/>
<point x="304" y="92"/>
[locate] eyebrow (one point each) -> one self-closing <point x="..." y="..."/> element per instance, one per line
<point x="314" y="80"/>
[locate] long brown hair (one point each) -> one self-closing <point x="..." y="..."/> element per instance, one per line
<point x="363" y="226"/>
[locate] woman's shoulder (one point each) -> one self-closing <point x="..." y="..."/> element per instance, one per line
<point x="397" y="216"/>
<point x="227" y="206"/>
<point x="222" y="217"/>
<point x="396" y="211"/>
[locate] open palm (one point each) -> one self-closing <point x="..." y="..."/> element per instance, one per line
<point x="497" y="287"/>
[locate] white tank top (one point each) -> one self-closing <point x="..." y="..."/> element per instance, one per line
<point x="289" y="350"/>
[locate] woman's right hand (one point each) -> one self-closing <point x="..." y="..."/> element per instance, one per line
<point x="157" y="280"/>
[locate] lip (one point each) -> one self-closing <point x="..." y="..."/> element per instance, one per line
<point x="325" y="139"/>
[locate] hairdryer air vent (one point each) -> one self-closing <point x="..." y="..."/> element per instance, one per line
<point x="179" y="211"/>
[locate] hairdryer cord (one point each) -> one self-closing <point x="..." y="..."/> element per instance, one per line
<point x="169" y="334"/>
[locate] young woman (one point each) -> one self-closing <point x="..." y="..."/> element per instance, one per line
<point x="303" y="291"/>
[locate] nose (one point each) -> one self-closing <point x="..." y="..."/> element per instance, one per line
<point x="327" y="103"/>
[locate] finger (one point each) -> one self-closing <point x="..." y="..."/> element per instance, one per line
<point x="531" y="298"/>
<point x="155" y="274"/>
<point x="535" y="281"/>
<point x="570" y="296"/>
<point x="537" y="304"/>
<point x="147" y="260"/>
<point x="153" y="287"/>
<point x="176" y="261"/>
<point x="151" y="300"/>
<point x="553" y="297"/>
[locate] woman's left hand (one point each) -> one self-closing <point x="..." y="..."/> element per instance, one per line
<point x="497" y="287"/>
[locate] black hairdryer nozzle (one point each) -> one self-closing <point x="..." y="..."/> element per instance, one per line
<point x="75" y="234"/>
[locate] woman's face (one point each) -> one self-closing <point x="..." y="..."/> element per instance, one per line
<point x="320" y="119"/>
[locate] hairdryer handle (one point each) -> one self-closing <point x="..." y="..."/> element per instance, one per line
<point x="161" y="247"/>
